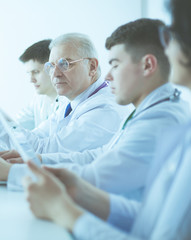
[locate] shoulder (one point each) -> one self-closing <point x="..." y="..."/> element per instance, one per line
<point x="176" y="110"/>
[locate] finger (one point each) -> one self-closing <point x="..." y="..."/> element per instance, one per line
<point x="3" y="152"/>
<point x="5" y="156"/>
<point x="54" y="171"/>
<point x="15" y="160"/>
<point x="10" y="154"/>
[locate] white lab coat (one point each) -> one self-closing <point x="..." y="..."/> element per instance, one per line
<point x="123" y="169"/>
<point x="91" y="124"/>
<point x="92" y="118"/>
<point x="37" y="111"/>
<point x="166" y="209"/>
<point x="165" y="212"/>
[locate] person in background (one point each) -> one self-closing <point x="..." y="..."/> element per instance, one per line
<point x="44" y="102"/>
<point x="50" y="199"/>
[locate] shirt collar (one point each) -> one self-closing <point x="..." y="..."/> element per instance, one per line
<point x="162" y="92"/>
<point x="84" y="95"/>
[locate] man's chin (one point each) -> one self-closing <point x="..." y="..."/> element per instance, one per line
<point x="40" y="92"/>
<point x="121" y="101"/>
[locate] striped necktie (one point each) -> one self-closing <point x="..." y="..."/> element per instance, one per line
<point x="68" y="110"/>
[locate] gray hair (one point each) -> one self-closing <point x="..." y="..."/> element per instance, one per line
<point x="81" y="42"/>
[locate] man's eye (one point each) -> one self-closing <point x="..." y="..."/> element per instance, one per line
<point x="115" y="66"/>
<point x="35" y="72"/>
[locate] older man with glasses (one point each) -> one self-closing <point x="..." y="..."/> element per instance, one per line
<point x="91" y="116"/>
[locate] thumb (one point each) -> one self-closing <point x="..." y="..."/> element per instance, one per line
<point x="54" y="171"/>
<point x="15" y="160"/>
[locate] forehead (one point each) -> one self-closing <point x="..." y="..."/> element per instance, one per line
<point x="63" y="51"/>
<point x="32" y="65"/>
<point x="119" y="52"/>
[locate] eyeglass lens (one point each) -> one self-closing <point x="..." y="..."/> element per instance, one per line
<point x="62" y="64"/>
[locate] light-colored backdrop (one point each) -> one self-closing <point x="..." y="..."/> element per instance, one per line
<point x="24" y="22"/>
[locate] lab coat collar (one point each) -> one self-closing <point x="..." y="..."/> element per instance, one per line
<point x="162" y="92"/>
<point x="84" y="95"/>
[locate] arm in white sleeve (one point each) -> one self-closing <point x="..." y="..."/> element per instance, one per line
<point x="88" y="131"/>
<point x="16" y="174"/>
<point x="122" y="212"/>
<point x="124" y="168"/>
<point x="90" y="227"/>
<point x="120" y="170"/>
<point x="81" y="158"/>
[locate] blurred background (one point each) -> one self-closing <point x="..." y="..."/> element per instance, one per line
<point x="24" y="22"/>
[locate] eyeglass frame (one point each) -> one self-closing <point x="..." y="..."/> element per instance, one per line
<point x="54" y="65"/>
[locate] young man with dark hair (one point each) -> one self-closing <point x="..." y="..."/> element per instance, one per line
<point x="44" y="102"/>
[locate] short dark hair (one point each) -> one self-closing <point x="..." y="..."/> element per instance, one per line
<point x="39" y="51"/>
<point x="181" y="24"/>
<point x="141" y="37"/>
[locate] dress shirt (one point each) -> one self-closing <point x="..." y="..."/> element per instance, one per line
<point x="123" y="168"/>
<point x="38" y="110"/>
<point x="91" y="124"/>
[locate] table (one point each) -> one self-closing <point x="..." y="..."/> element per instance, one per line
<point x="17" y="222"/>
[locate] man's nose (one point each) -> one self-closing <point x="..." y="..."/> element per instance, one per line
<point x="33" y="79"/>
<point x="108" y="77"/>
<point x="56" y="72"/>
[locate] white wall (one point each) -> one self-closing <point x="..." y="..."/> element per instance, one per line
<point x="157" y="9"/>
<point x="23" y="22"/>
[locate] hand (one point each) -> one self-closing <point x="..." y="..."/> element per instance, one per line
<point x="13" y="156"/>
<point x="83" y="193"/>
<point x="70" y="181"/>
<point x="15" y="160"/>
<point x="4" y="169"/>
<point x="9" y="154"/>
<point x="49" y="200"/>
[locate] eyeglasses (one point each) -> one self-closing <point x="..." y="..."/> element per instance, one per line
<point x="166" y="34"/>
<point x="63" y="65"/>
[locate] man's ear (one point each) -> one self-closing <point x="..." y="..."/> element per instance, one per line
<point x="149" y="64"/>
<point x="93" y="66"/>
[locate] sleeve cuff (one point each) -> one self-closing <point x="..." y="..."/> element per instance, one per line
<point x="122" y="212"/>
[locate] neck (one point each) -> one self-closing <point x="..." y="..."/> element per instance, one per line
<point x="51" y="95"/>
<point x="147" y="91"/>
